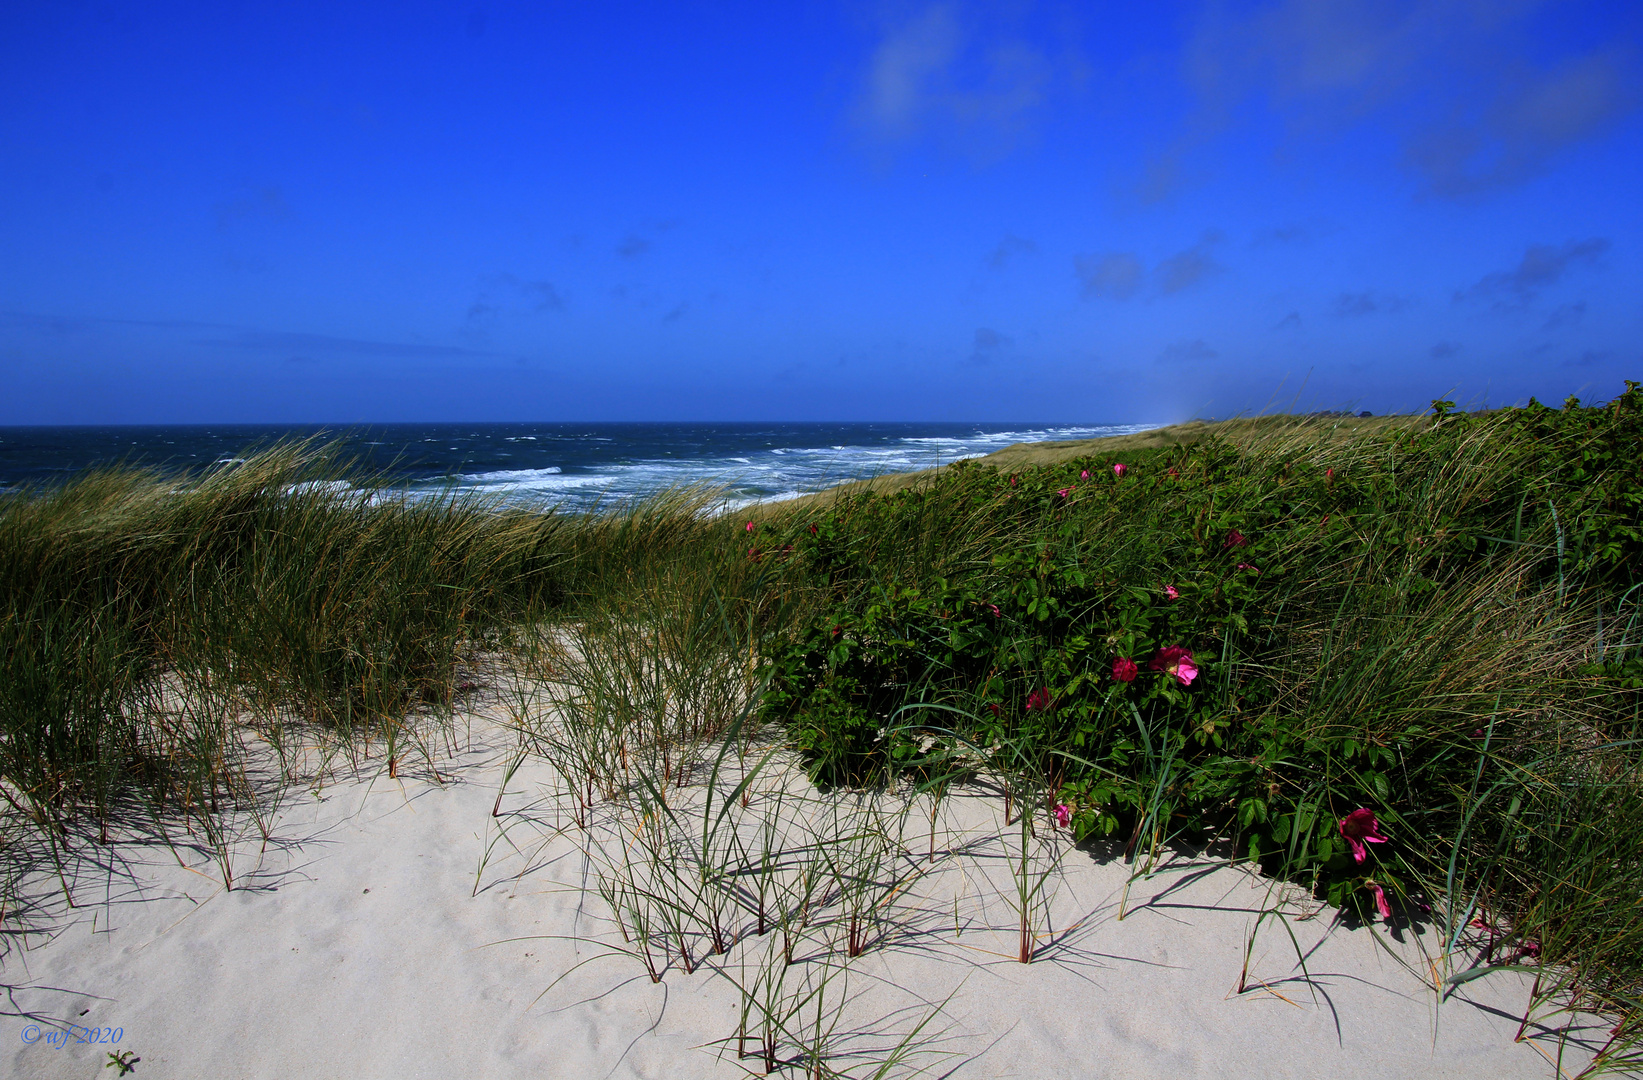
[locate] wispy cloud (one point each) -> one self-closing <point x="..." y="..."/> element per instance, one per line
<point x="1542" y="265"/>
<point x="507" y="293"/>
<point x="1008" y="248"/>
<point x="66" y="324"/>
<point x="1187" y="268"/>
<point x="301" y="348"/>
<point x="1116" y="274"/>
<point x="632" y="246"/>
<point x="1119" y="274"/>
<point x="1469" y="91"/>
<point x="1524" y="124"/>
<point x="286" y="341"/>
<point x="1443" y="350"/>
<point x="970" y="75"/>
<point x="908" y="70"/>
<point x="1291" y="235"/>
<point x="1367" y="303"/>
<point x="1187" y="352"/>
<point x="1289" y="322"/>
<point x="988" y="343"/>
<point x="266" y="202"/>
<point x="542" y="295"/>
<point x="1565" y="315"/>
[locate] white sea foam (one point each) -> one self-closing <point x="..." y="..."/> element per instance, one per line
<point x="328" y="487"/>
<point x="763" y="475"/>
<point x="511" y="475"/>
<point x="547" y="482"/>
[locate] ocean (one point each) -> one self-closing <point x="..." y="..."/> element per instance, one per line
<point x="570" y="466"/>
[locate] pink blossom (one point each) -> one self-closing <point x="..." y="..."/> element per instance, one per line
<point x="1120" y="469"/>
<point x="1234" y="539"/>
<point x="1084" y="475"/>
<point x="1039" y="700"/>
<point x="1172" y="592"/>
<point x="997" y="710"/>
<point x="750" y="526"/>
<point x="1360" y="826"/>
<point x="1247" y="566"/>
<point x="1063" y="815"/>
<point x="994" y="609"/>
<point x="1124" y="669"/>
<point x="1175" y="661"/>
<point x="1382" y="905"/>
<point x="1063" y="492"/>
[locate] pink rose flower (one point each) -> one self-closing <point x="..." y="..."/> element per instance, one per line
<point x="1120" y="469"/>
<point x="1175" y="661"/>
<point x="1234" y="539"/>
<point x="1124" y="669"/>
<point x="1039" y="700"/>
<point x="1382" y="905"/>
<point x="1063" y="815"/>
<point x="750" y="526"/>
<point x="1084" y="475"/>
<point x="1172" y="592"/>
<point x="1359" y="827"/>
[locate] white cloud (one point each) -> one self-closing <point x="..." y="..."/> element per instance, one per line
<point x="966" y="77"/>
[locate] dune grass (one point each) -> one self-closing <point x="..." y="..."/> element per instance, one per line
<point x="1436" y="621"/>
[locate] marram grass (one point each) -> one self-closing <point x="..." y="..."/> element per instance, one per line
<point x="1436" y="622"/>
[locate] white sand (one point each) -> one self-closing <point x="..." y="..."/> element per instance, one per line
<point x="354" y="946"/>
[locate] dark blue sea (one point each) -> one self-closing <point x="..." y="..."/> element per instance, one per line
<point x="572" y="466"/>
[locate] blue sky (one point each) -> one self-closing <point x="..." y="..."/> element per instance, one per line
<point x="1086" y="212"/>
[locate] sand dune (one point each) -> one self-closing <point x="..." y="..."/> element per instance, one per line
<point x="395" y="928"/>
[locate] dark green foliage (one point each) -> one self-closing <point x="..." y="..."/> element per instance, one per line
<point x="1385" y="624"/>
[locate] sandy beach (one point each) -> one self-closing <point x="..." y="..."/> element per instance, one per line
<point x="396" y="928"/>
